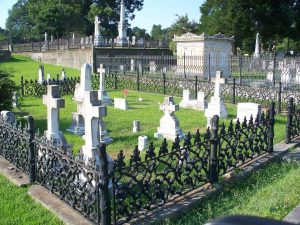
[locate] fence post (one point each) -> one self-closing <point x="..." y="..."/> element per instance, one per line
<point x="31" y="150"/>
<point x="240" y="65"/>
<point x="105" y="206"/>
<point x="138" y="80"/>
<point x="40" y="46"/>
<point x="209" y="75"/>
<point x="31" y="46"/>
<point x="196" y="86"/>
<point x="22" y="86"/>
<point x="164" y="80"/>
<point x="289" y="121"/>
<point x="274" y="69"/>
<point x="184" y="66"/>
<point x="271" y="130"/>
<point x="279" y="98"/>
<point x="214" y="142"/>
<point x="233" y="92"/>
<point x="115" y="81"/>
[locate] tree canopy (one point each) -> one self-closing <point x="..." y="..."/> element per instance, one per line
<point x="31" y="18"/>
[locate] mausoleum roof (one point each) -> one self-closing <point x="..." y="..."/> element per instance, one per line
<point x="194" y="37"/>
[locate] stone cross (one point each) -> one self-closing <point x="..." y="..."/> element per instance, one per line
<point x="92" y="111"/>
<point x="218" y="84"/>
<point x="168" y="106"/>
<point x="101" y="72"/>
<point x="54" y="103"/>
<point x="169" y="125"/>
<point x="103" y="96"/>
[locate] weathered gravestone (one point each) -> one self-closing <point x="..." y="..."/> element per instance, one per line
<point x="197" y="104"/>
<point x="54" y="103"/>
<point x="216" y="105"/>
<point x="121" y="103"/>
<point x="136" y="126"/>
<point x="41" y="74"/>
<point x="169" y="125"/>
<point x="63" y="74"/>
<point x="248" y="109"/>
<point x="142" y="142"/>
<point x="102" y="94"/>
<point x="8" y="116"/>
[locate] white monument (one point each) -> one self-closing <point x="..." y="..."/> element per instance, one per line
<point x="142" y="142"/>
<point x="203" y="54"/>
<point x="122" y="28"/>
<point x="257" y="46"/>
<point x="121" y="103"/>
<point x="248" y="109"/>
<point x="63" y="74"/>
<point x="54" y="103"/>
<point x="77" y="126"/>
<point x="136" y="126"/>
<point x="92" y="111"/>
<point x="297" y="78"/>
<point x="46" y="44"/>
<point x="132" y="65"/>
<point x="102" y="94"/>
<point x="199" y="104"/>
<point x="216" y="105"/>
<point x="98" y="38"/>
<point x="169" y="125"/>
<point x="41" y="75"/>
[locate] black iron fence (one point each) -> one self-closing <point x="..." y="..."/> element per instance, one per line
<point x="141" y="183"/>
<point x="293" y="121"/>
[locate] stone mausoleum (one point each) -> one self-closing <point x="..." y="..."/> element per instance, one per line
<point x="201" y="55"/>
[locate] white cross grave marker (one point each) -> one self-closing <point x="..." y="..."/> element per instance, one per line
<point x="169" y="124"/>
<point x="103" y="96"/>
<point x="54" y="103"/>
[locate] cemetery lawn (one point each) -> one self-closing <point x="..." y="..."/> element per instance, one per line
<point x="17" y="207"/>
<point x="24" y="66"/>
<point x="273" y="191"/>
<point x="119" y="122"/>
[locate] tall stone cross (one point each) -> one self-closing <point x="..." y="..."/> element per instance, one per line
<point x="92" y="111"/>
<point x="219" y="81"/>
<point x="54" y="103"/>
<point x="101" y="72"/>
<point x="168" y="106"/>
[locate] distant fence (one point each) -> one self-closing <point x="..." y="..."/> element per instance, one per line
<point x="73" y="43"/>
<point x="139" y="184"/>
<point x="293" y="121"/>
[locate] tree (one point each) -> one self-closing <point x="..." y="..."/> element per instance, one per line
<point x="271" y="18"/>
<point x="182" y="25"/>
<point x="17" y="23"/>
<point x="109" y="13"/>
<point x="7" y="87"/>
<point x="157" y="33"/>
<point x="139" y="33"/>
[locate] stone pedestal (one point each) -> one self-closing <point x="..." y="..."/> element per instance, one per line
<point x="199" y="104"/>
<point x="169" y="125"/>
<point x="77" y="126"/>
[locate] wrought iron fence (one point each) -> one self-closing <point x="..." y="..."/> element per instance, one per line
<point x="143" y="184"/>
<point x="293" y="121"/>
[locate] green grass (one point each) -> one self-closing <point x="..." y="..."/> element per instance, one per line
<point x="24" y="66"/>
<point x="272" y="191"/>
<point x="17" y="207"/>
<point x="119" y="122"/>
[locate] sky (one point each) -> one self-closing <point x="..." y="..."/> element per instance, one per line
<point x="154" y="12"/>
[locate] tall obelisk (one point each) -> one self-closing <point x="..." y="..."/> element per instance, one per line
<point x="122" y="28"/>
<point x="257" y="47"/>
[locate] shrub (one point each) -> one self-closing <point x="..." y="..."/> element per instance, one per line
<point x="7" y="87"/>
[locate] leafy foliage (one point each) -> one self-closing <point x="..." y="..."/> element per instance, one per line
<point x="7" y="87"/>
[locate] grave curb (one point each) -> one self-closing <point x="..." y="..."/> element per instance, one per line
<point x="293" y="216"/>
<point x="12" y="173"/>
<point x="61" y="209"/>
<point x="182" y="205"/>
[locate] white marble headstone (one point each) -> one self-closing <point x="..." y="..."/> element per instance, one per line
<point x="121" y="103"/>
<point x="245" y="110"/>
<point x="142" y="142"/>
<point x="136" y="126"/>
